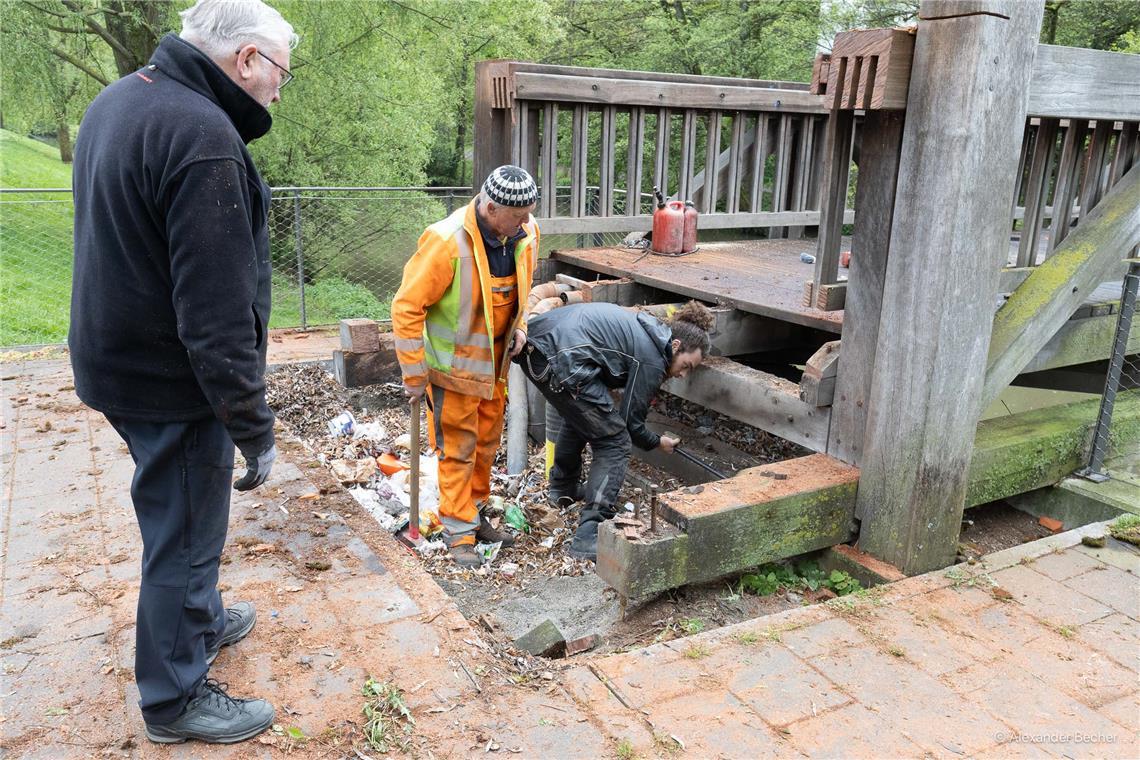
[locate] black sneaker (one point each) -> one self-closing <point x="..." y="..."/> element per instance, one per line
<point x="214" y="716"/>
<point x="239" y="622"/>
<point x="489" y="535"/>
<point x="585" y="543"/>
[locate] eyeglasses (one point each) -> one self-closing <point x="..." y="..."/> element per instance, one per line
<point x="286" y="75"/>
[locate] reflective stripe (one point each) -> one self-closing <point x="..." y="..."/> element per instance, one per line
<point x="442" y="332"/>
<point x="409" y="344"/>
<point x="478" y="366"/>
<point x="438" y="357"/>
<point x="414" y="370"/>
<point x="504" y="289"/>
<point x="456" y="528"/>
<point x="478" y="340"/>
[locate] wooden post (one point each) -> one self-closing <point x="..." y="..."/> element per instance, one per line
<point x="949" y="236"/>
<point x="496" y="128"/>
<point x="874" y="214"/>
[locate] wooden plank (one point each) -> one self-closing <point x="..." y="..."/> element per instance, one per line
<point x="758" y="398"/>
<point x="800" y="170"/>
<point x="1043" y="303"/>
<point x="1089" y="84"/>
<point x="1019" y="178"/>
<point x="547" y="205"/>
<point x="817" y="386"/>
<point x="634" y="161"/>
<point x="1091" y="183"/>
<point x="735" y="157"/>
<point x="661" y="156"/>
<point x="783" y="152"/>
<point x="654" y="92"/>
<point x="1035" y="192"/>
<point x="1080" y="341"/>
<point x="688" y="148"/>
<point x="738" y="332"/>
<point x="709" y="190"/>
<point x="1066" y="189"/>
<point x="1125" y="147"/>
<point x="496" y="130"/>
<point x="579" y="151"/>
<point x="916" y="452"/>
<point x="608" y="159"/>
<point x="642" y="76"/>
<point x="836" y="173"/>
<point x="644" y="222"/>
<point x="759" y="159"/>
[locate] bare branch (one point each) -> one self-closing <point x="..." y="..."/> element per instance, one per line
<point x="77" y="63"/>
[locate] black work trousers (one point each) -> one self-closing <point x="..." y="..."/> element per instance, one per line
<point x="181" y="494"/>
<point x="583" y="422"/>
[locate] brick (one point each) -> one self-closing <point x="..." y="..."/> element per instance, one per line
<point x="1126" y="712"/>
<point x="712" y="723"/>
<point x="1046" y="599"/>
<point x="1062" y="565"/>
<point x="1069" y="666"/>
<point x="778" y="686"/>
<point x="359" y="335"/>
<point x="1116" y="636"/>
<point x="1116" y="554"/>
<point x="1029" y="709"/>
<point x="909" y="701"/>
<point x="1054" y="525"/>
<point x="819" y="639"/>
<point x="850" y="731"/>
<point x="582" y="644"/>
<point x="544" y="640"/>
<point x="1111" y="586"/>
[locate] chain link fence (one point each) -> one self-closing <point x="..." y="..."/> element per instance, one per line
<point x="1123" y="375"/>
<point x="337" y="252"/>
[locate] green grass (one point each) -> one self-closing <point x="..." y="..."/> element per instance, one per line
<point x="35" y="243"/>
<point x="327" y="301"/>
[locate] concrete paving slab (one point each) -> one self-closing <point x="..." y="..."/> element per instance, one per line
<point x="1116" y="637"/>
<point x="1047" y="599"/>
<point x="1109" y="585"/>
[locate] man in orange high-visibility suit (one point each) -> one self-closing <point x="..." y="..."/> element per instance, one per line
<point x="458" y="319"/>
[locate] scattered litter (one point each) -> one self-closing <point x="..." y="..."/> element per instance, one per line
<point x="354" y="471"/>
<point x="629" y="507"/>
<point x="488" y="551"/>
<point x="402" y="442"/>
<point x="509" y="568"/>
<point x="516" y="518"/>
<point x="390" y="464"/>
<point x="807" y="258"/>
<point x="342" y="424"/>
<point x="370" y="431"/>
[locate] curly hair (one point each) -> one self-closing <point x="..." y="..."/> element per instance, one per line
<point x="690" y="325"/>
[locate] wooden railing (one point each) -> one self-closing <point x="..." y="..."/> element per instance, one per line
<point x="747" y="152"/>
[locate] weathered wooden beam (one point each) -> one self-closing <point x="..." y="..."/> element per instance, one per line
<point x="359" y="335"/>
<point x="1089" y="84"/>
<point x="758" y="398"/>
<point x="834" y="178"/>
<point x="738" y="333"/>
<point x="735" y="524"/>
<point x="565" y="225"/>
<point x="657" y="92"/>
<point x="948" y="236"/>
<point x="875" y="199"/>
<point x="1080" y="341"/>
<point x="752" y="518"/>
<point x="1042" y="304"/>
<point x="495" y="124"/>
<point x="869" y="69"/>
<point x="1081" y="378"/>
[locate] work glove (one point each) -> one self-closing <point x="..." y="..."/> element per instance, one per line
<point x="415" y="392"/>
<point x="256" y="470"/>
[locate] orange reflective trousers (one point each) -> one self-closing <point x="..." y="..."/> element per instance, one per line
<point x="465" y="431"/>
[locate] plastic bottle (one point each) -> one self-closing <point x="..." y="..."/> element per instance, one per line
<point x="516" y="518"/>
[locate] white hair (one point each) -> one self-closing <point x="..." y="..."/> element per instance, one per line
<point x="219" y="28"/>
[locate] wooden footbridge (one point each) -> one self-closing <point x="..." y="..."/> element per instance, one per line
<point x="996" y="199"/>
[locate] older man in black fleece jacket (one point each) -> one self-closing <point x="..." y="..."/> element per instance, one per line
<point x="169" y="320"/>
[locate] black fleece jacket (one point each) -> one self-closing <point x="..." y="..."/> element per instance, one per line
<point x="593" y="347"/>
<point x="170" y="297"/>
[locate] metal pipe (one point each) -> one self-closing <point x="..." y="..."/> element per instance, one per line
<point x="653" y="508"/>
<point x="518" y="419"/>
<point x="414" y="511"/>
<point x="700" y="463"/>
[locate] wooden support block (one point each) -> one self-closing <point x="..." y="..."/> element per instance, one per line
<point x="820" y="71"/>
<point x="859" y="565"/>
<point x="755" y="517"/>
<point x="749" y="520"/>
<point x="831" y="297"/>
<point x="869" y="69"/>
<point x="353" y="370"/>
<point x="758" y="398"/>
<point x="808" y="301"/>
<point x="738" y="332"/>
<point x="817" y="386"/>
<point x="359" y="335"/>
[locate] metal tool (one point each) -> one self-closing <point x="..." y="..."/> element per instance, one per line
<point x="700" y="463"/>
<point x="411" y="534"/>
<point x="653" y="508"/>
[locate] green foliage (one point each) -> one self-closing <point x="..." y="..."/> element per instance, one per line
<point x="327" y="301"/>
<point x="770" y="578"/>
<point x="1126" y="528"/>
<point x="388" y="721"/>
<point x="692" y="625"/>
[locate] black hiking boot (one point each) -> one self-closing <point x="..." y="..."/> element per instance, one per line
<point x="488" y="534"/>
<point x="214" y="716"/>
<point x="239" y="622"/>
<point x="561" y="500"/>
<point x="585" y="543"/>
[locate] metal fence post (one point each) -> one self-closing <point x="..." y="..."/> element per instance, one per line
<point x="1095" y="469"/>
<point x="450" y="202"/>
<point x="300" y="256"/>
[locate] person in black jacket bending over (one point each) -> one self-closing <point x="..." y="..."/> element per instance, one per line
<point x="169" y="320"/>
<point x="574" y="356"/>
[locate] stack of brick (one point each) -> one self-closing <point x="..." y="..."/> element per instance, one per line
<point x="365" y="356"/>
